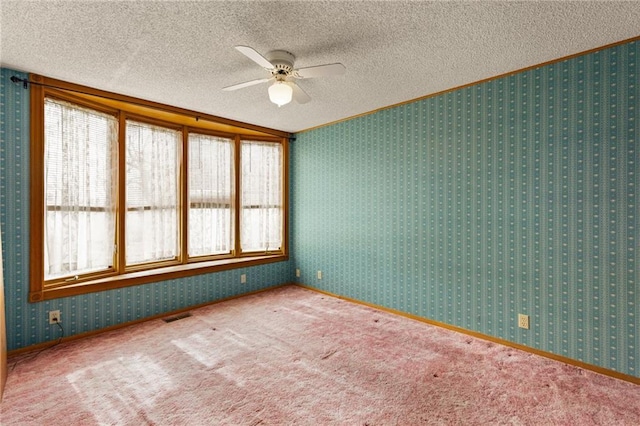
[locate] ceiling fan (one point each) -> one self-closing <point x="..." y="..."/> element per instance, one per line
<point x="280" y="64"/>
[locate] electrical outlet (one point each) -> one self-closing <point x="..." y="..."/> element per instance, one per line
<point x="243" y="279"/>
<point x="298" y="273"/>
<point x="523" y="321"/>
<point x="54" y="317"/>
<point x="319" y="275"/>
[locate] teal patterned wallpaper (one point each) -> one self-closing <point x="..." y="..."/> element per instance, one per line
<point x="27" y="323"/>
<point x="517" y="195"/>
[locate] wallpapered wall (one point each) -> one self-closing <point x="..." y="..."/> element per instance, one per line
<point x="27" y="323"/>
<point x="518" y="195"/>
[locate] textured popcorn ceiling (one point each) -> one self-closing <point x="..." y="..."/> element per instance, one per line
<point x="181" y="53"/>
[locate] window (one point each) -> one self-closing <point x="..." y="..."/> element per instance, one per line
<point x="124" y="194"/>
<point x="151" y="193"/>
<point x="211" y="190"/>
<point x="261" y="196"/>
<point x="80" y="205"/>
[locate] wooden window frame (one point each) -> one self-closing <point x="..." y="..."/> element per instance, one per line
<point x="125" y="107"/>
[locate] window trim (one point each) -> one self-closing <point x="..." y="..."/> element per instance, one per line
<point x="137" y="109"/>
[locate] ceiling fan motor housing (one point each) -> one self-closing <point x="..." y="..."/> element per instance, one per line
<point x="282" y="62"/>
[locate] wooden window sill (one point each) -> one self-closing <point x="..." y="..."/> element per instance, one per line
<point x="153" y="275"/>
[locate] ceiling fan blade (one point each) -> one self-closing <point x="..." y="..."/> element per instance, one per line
<point x="299" y="95"/>
<point x="246" y="84"/>
<point x="320" y="71"/>
<point x="250" y="53"/>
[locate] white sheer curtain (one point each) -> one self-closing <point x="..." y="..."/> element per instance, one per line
<point x="80" y="189"/>
<point x="152" y="217"/>
<point x="210" y="195"/>
<point x="261" y="196"/>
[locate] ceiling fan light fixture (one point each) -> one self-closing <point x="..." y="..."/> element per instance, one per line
<point x="280" y="93"/>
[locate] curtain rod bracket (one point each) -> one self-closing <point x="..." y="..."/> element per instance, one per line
<point x="25" y="82"/>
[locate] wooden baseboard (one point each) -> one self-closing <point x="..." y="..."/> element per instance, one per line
<point x="566" y="360"/>
<point x="44" y="345"/>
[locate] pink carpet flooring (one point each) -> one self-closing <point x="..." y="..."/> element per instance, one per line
<point x="291" y="356"/>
